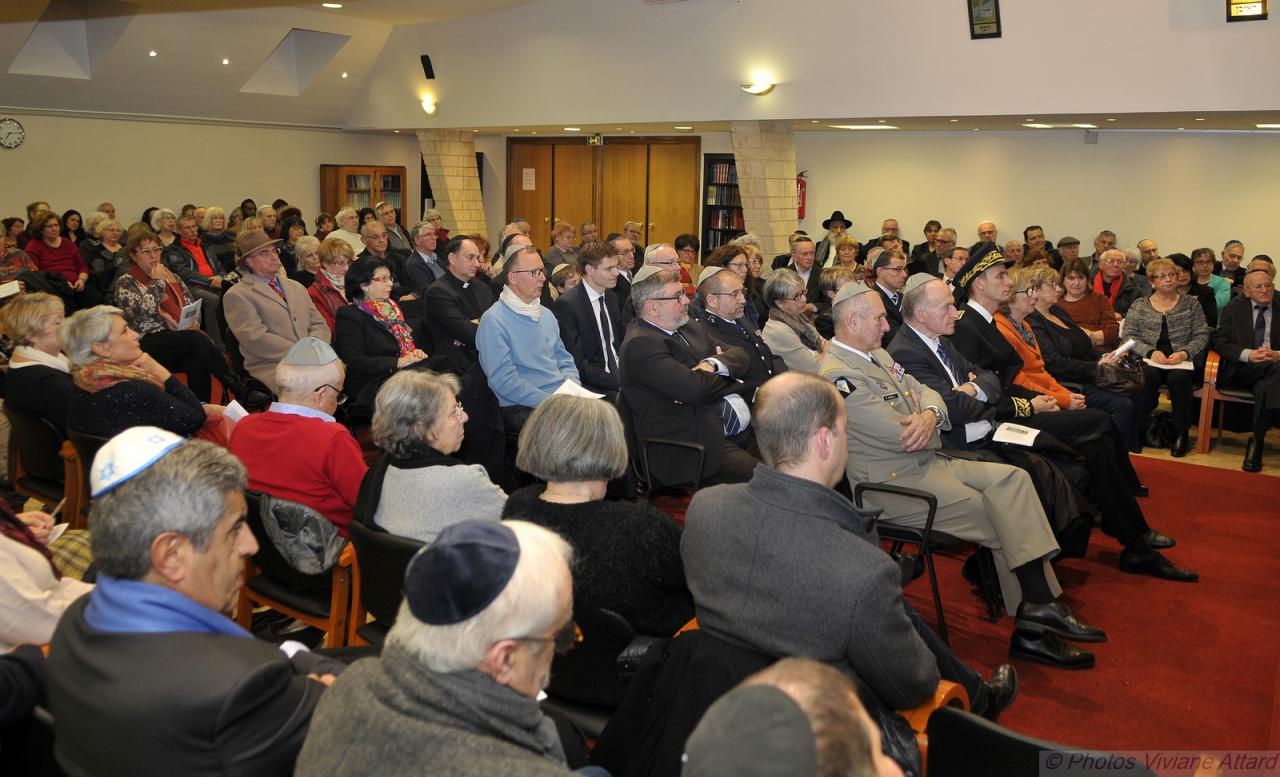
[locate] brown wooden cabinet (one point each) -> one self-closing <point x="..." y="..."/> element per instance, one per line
<point x="361" y="186"/>
<point x="654" y="181"/>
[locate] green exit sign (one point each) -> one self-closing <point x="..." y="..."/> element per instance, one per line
<point x="1246" y="10"/>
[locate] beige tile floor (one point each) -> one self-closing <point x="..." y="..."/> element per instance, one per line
<point x="1227" y="453"/>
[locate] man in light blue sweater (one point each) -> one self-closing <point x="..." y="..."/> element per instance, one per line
<point x="519" y="342"/>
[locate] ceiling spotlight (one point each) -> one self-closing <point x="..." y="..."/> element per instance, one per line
<point x="1038" y="126"/>
<point x="429" y="105"/>
<point x="1267" y="126"/>
<point x="151" y="53"/>
<point x="758" y="89"/>
<point x="1182" y="129"/>
<point x="1110" y="119"/>
<point x="683" y="127"/>
<point x="331" y="6"/>
<point x="1199" y="119"/>
<point x="813" y="121"/>
<point x="396" y="131"/>
<point x="953" y="121"/>
<point x="226" y="61"/>
<point x="862" y="126"/>
<point x="344" y="74"/>
<point x="573" y="129"/>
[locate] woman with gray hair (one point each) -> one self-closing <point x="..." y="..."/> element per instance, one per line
<point x="105" y="254"/>
<point x="629" y="553"/>
<point x="164" y="223"/>
<point x="418" y="424"/>
<point x="119" y="387"/>
<point x="218" y="238"/>
<point x="787" y="332"/>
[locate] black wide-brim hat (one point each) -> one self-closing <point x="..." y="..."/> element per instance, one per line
<point x="837" y="216"/>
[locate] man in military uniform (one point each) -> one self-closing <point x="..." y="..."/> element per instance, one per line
<point x="893" y="437"/>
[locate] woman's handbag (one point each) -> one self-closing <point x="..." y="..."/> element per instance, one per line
<point x="1123" y="377"/>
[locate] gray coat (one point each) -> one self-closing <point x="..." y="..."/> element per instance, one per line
<point x="789" y="568"/>
<point x="1188" y="330"/>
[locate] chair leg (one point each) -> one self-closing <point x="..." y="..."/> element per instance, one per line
<point x="338" y="608"/>
<point x="1207" y="401"/>
<point x="990" y="581"/>
<point x="937" y="599"/>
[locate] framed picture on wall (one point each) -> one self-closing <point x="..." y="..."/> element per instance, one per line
<point x="984" y="19"/>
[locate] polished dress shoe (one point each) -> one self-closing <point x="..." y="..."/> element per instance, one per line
<point x="1252" y="455"/>
<point x="1141" y="490"/>
<point x="1002" y="689"/>
<point x="1181" y="446"/>
<point x="1158" y="541"/>
<point x="1156" y="565"/>
<point x="1049" y="649"/>
<point x="1055" y="618"/>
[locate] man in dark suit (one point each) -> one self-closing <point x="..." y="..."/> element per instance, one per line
<point x="591" y="319"/>
<point x="888" y="228"/>
<point x="678" y="384"/>
<point x="455" y="303"/>
<point x="422" y="266"/>
<point x="804" y="263"/>
<point x="1248" y="341"/>
<point x="721" y="291"/>
<point x="976" y="403"/>
<point x="626" y="253"/>
<point x="890" y="273"/>
<point x="147" y="674"/>
<point x="788" y="536"/>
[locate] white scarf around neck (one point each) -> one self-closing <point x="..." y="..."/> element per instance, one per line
<point x="532" y="310"/>
<point x="36" y="356"/>
<point x="338" y="281"/>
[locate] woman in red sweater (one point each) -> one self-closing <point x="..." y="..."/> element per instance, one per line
<point x="56" y="254"/>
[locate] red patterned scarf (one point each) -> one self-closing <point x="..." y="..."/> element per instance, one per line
<point x="387" y="313"/>
<point x="96" y="376"/>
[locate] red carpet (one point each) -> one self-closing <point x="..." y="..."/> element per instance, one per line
<point x="1187" y="666"/>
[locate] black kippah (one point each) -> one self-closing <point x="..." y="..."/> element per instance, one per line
<point x="460" y="574"/>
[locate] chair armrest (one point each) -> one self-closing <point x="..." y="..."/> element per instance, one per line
<point x="1212" y="363"/>
<point x="630" y="657"/>
<point x="947" y="694"/>
<point x="930" y="500"/>
<point x="348" y="556"/>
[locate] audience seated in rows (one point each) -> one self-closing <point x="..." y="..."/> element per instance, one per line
<point x="1249" y="342"/>
<point x="628" y="553"/>
<point x="38" y="382"/>
<point x="147" y="674"/>
<point x="418" y="487"/>
<point x="60" y="257"/>
<point x="1090" y="310"/>
<point x="186" y="257"/>
<point x="590" y="318"/>
<point x="722" y="313"/>
<point x="486" y="607"/>
<point x="296" y="450"/>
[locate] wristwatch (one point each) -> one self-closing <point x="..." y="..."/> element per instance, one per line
<point x="937" y="414"/>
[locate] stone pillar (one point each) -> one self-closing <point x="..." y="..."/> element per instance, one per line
<point x="450" y="157"/>
<point x="765" y="153"/>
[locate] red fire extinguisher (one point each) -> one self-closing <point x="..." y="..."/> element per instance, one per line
<point x="802" y="192"/>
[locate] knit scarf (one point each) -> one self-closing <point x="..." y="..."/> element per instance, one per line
<point x="32" y="356"/>
<point x="1116" y="286"/>
<point x="531" y="309"/>
<point x="171" y="303"/>
<point x="96" y="376"/>
<point x="808" y="335"/>
<point x="387" y="313"/>
<point x="338" y="281"/>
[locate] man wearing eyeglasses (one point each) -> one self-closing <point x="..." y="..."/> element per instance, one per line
<point x="890" y="272"/>
<point x="723" y="299"/>
<point x="297" y="450"/>
<point x="266" y="311"/>
<point x="519" y="342"/>
<point x="679" y="384"/>
<point x="1111" y="281"/>
<point x="487" y="606"/>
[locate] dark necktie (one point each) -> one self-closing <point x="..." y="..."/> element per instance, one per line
<point x="1260" y="326"/>
<point x="897" y="300"/>
<point x="274" y="283"/>
<point x="945" y="359"/>
<point x="606" y="339"/>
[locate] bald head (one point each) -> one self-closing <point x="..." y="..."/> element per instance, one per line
<point x="799" y="420"/>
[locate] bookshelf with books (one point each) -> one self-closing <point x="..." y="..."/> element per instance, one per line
<point x="721" y="202"/>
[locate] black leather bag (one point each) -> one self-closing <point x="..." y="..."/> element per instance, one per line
<point x="1158" y="432"/>
<point x="1125" y="377"/>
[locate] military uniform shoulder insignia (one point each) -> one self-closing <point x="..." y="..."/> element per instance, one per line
<point x="959" y="314"/>
<point x="844" y="387"/>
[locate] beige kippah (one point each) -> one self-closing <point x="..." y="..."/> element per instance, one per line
<point x="645" y="272"/>
<point x="918" y="280"/>
<point x="849" y="291"/>
<point x="708" y="272"/>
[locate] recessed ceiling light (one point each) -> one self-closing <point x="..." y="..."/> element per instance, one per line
<point x="1042" y="125"/>
<point x="1199" y="118"/>
<point x="1038" y="126"/>
<point x="631" y="132"/>
<point x="535" y="132"/>
<point x="617" y="129"/>
<point x="953" y="121"/>
<point x="475" y="130"/>
<point x="975" y="129"/>
<point x="862" y="126"/>
<point x="813" y="121"/>
<point x="331" y="5"/>
<point x="1180" y="129"/>
<point x="1030" y="119"/>
<point x="517" y="129"/>
<point x="1110" y="119"/>
<point x="1267" y="126"/>
<point x="680" y="127"/>
<point x="226" y="61"/>
<point x="882" y="121"/>
<point x="344" y="74"/>
<point x="1085" y="126"/>
<point x="573" y="129"/>
<point x="151" y="53"/>
<point x="396" y="131"/>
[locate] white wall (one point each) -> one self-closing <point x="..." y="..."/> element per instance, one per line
<point x="685" y="60"/>
<point x="1183" y="190"/>
<point x="76" y="163"/>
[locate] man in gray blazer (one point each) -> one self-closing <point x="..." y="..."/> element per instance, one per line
<point x="787" y="566"/>
<point x="266" y="311"/>
<point x="893" y="437"/>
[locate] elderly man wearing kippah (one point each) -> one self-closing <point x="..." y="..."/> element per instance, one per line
<point x="455" y="691"/>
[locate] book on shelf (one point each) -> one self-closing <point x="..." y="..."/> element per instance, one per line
<point x="723" y="173"/>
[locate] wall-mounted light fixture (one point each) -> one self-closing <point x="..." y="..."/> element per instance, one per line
<point x="429" y="105"/>
<point x="759" y="89"/>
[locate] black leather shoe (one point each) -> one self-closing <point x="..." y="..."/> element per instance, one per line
<point x="911" y="565"/>
<point x="969" y="571"/>
<point x="1002" y="689"/>
<point x="1055" y="618"/>
<point x="1049" y="649"/>
<point x="1252" y="455"/>
<point x="1156" y="565"/>
<point x="1181" y="446"/>
<point x="1158" y="541"/>
<point x="1141" y="490"/>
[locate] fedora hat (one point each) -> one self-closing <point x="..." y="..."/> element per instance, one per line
<point x="837" y="216"/>
<point x="251" y="240"/>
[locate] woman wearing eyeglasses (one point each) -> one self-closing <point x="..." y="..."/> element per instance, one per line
<point x="628" y="553"/>
<point x="419" y="424"/>
<point x="1171" y="333"/>
<point x="787" y="332"/>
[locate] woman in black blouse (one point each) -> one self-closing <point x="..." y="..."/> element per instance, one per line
<point x="39" y="379"/>
<point x="628" y="553"/>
